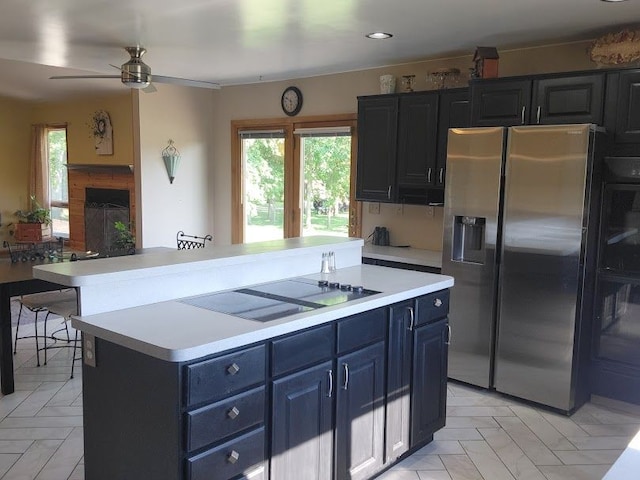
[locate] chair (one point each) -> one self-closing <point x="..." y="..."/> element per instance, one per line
<point x="189" y="242"/>
<point x="65" y="309"/>
<point x="60" y="302"/>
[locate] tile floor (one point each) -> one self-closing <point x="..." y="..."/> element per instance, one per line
<point x="487" y="437"/>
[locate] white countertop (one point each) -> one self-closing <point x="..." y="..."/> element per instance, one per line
<point x="173" y="261"/>
<point x="176" y="332"/>
<point x="117" y="283"/>
<point x="412" y="256"/>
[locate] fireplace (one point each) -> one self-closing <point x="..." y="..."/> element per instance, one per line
<point x="104" y="207"/>
<point x="105" y="194"/>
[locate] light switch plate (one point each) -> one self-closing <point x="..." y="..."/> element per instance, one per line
<point x="374" y="208"/>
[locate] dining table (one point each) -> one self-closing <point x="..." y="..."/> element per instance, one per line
<point x="16" y="278"/>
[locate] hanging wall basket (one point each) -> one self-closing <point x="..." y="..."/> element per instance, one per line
<point x="171" y="158"/>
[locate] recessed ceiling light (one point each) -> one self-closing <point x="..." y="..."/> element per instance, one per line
<point x="378" y="35"/>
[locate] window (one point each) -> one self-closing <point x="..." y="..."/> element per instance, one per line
<point x="58" y="183"/>
<point x="293" y="178"/>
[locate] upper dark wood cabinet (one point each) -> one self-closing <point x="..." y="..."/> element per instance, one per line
<point x="453" y="113"/>
<point x="376" y="164"/>
<point x="622" y="116"/>
<point x="500" y="102"/>
<point x="417" y="130"/>
<point x="576" y="98"/>
<point x="411" y="170"/>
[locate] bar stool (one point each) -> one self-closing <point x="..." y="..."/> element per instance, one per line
<point x="64" y="309"/>
<point x="39" y="303"/>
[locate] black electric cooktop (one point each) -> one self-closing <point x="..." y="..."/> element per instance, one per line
<point x="275" y="300"/>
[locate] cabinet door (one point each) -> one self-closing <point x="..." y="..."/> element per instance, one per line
<point x="576" y="99"/>
<point x="429" y="394"/>
<point x="500" y="103"/>
<point x="360" y="413"/>
<point x="454" y="113"/>
<point x="417" y="127"/>
<point x="399" y="359"/>
<point x="623" y="101"/>
<point x="302" y="425"/>
<point x="376" y="166"/>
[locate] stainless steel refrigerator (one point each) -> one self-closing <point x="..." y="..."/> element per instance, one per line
<point x="519" y="238"/>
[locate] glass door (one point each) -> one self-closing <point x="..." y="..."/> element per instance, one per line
<point x="325" y="181"/>
<point x="263" y="166"/>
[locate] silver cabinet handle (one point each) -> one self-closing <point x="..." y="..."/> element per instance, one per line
<point x="429" y="175"/>
<point x="437" y="303"/>
<point x="522" y="115"/>
<point x="233" y="457"/>
<point x="233" y="369"/>
<point x="389" y="193"/>
<point x="441" y="175"/>
<point x="233" y="413"/>
<point x="346" y="376"/>
<point x="330" y="373"/>
<point x="538" y="115"/>
<point x="448" y="342"/>
<point x="412" y="321"/>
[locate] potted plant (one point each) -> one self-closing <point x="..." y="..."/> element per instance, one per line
<point x="33" y="225"/>
<point x="125" y="241"/>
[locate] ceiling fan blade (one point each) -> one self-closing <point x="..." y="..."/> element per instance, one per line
<point x="150" y="89"/>
<point x="64" y="77"/>
<point x="185" y="82"/>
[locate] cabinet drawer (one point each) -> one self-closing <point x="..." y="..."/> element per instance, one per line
<point x="229" y="459"/>
<point x="361" y="329"/>
<point x="217" y="378"/>
<point x="432" y="307"/>
<point x="302" y="349"/>
<point x="214" y="422"/>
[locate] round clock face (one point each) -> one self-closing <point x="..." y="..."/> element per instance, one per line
<point x="291" y="101"/>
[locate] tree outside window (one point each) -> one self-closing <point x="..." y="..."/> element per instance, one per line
<point x="58" y="181"/>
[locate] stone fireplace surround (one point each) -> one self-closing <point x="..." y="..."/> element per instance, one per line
<point x="83" y="176"/>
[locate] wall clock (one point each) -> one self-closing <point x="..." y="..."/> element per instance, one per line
<point x="291" y="101"/>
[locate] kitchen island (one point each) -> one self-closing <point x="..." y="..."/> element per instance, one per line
<point x="175" y="391"/>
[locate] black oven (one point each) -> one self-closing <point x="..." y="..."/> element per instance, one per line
<point x="616" y="339"/>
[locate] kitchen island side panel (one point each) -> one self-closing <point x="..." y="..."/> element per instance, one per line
<point x="131" y="410"/>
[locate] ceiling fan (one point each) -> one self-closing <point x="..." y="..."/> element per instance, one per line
<point x="137" y="74"/>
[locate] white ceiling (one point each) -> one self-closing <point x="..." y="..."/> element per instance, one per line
<point x="246" y="41"/>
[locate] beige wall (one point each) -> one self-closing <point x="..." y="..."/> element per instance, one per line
<point x="77" y="115"/>
<point x="185" y="116"/>
<point x="15" y="132"/>
<point x="333" y="94"/>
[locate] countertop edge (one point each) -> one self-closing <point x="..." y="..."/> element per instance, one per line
<point x="297" y="322"/>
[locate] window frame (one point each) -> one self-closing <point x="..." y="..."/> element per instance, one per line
<point x="292" y="208"/>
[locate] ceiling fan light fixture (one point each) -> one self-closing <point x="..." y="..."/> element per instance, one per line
<point x="378" y="35"/>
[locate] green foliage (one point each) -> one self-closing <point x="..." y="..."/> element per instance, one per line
<point x="57" y="148"/>
<point x="125" y="239"/>
<point x="327" y="167"/>
<point x="37" y="214"/>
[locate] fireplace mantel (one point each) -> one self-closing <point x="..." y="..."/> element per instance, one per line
<point x="100" y="168"/>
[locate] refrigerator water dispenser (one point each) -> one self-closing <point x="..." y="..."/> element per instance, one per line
<point x="468" y="239"/>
